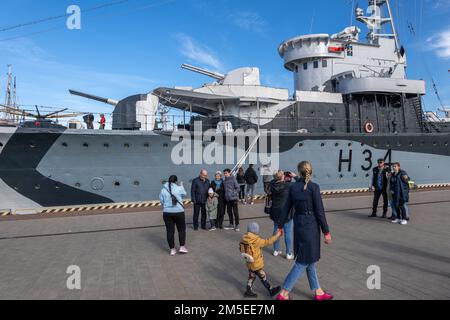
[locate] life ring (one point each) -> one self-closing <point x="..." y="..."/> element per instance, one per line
<point x="369" y="127"/>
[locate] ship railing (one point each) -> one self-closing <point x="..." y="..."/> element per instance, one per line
<point x="175" y="122"/>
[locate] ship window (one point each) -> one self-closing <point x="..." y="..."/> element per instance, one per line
<point x="37" y="186"/>
<point x="305" y="66"/>
<point x="446" y="144"/>
<point x="337" y="144"/>
<point x="137" y="183"/>
<point x="147" y="145"/>
<point x="64" y="144"/>
<point x="324" y="63"/>
<point x="78" y="185"/>
<point x="300" y="145"/>
<point x="106" y="145"/>
<point x="435" y="144"/>
<point x="86" y="145"/>
<point x="126" y="145"/>
<point x="316" y="64"/>
<point x="32" y="145"/>
<point x="322" y="144"/>
<point x="57" y="186"/>
<point x="1" y="144"/>
<point x="117" y="184"/>
<point x="165" y="145"/>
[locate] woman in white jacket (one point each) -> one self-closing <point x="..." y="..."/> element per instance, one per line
<point x="171" y="198"/>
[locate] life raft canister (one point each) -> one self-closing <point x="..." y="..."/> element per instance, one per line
<point x="369" y="127"/>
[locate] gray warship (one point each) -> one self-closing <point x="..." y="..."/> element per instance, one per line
<point x="352" y="104"/>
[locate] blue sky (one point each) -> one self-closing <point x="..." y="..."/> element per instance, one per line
<point x="139" y="45"/>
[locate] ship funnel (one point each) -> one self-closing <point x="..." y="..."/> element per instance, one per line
<point x="96" y="98"/>
<point x="214" y="75"/>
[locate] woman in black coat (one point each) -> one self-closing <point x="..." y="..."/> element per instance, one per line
<point x="279" y="191"/>
<point x="309" y="222"/>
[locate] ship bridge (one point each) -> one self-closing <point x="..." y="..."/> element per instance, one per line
<point x="341" y="63"/>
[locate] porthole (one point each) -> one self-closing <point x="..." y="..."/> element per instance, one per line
<point x="322" y="144"/>
<point x="367" y="175"/>
<point x="146" y="145"/>
<point x="435" y="144"/>
<point x="411" y="144"/>
<point x="32" y="145"/>
<point x="106" y="145"/>
<point x="355" y="175"/>
<point x="213" y="139"/>
<point x="78" y="185"/>
<point x="64" y="144"/>
<point x="350" y="144"/>
<point x="57" y="186"/>
<point x="86" y="145"/>
<point x="181" y="139"/>
<point x="1" y="144"/>
<point x="446" y="143"/>
<point x="165" y="145"/>
<point x="37" y="186"/>
<point x="137" y="183"/>
<point x="117" y="184"/>
<point x="341" y="176"/>
<point x="126" y="145"/>
<point x="300" y="145"/>
<point x="336" y="144"/>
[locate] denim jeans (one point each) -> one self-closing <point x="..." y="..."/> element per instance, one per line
<point x="406" y="210"/>
<point x="288" y="235"/>
<point x="394" y="210"/>
<point x="297" y="272"/>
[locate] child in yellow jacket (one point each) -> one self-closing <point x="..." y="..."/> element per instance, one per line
<point x="251" y="249"/>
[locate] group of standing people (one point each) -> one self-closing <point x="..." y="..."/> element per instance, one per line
<point x="296" y="210"/>
<point x="392" y="184"/>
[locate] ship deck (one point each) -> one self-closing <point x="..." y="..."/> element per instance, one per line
<point x="123" y="255"/>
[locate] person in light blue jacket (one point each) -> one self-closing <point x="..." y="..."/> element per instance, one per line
<point x="171" y="198"/>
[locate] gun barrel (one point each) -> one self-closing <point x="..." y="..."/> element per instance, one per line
<point x="214" y="75"/>
<point x="96" y="98"/>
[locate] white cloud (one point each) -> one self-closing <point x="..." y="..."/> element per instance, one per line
<point x="250" y="21"/>
<point x="198" y="53"/>
<point x="441" y="44"/>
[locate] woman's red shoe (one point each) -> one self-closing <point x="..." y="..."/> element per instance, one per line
<point x="280" y="297"/>
<point x="323" y="297"/>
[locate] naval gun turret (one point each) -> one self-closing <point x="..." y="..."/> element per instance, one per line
<point x="132" y="113"/>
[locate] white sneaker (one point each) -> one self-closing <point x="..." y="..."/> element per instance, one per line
<point x="276" y="253"/>
<point x="237" y="229"/>
<point x="173" y="252"/>
<point x="395" y="221"/>
<point x="290" y="256"/>
<point x="404" y="222"/>
<point x="229" y="227"/>
<point x="183" y="250"/>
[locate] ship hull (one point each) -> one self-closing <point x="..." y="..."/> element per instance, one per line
<point x="76" y="167"/>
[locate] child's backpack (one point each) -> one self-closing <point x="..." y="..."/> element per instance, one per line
<point x="246" y="252"/>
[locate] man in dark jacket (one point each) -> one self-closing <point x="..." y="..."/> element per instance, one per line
<point x="400" y="193"/>
<point x="231" y="187"/>
<point x="251" y="178"/>
<point x="379" y="186"/>
<point x="199" y="195"/>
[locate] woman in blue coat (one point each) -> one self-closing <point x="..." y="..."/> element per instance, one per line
<point x="309" y="223"/>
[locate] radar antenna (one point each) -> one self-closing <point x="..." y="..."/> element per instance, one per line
<point x="376" y="21"/>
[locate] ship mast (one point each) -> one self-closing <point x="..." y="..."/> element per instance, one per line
<point x="376" y="21"/>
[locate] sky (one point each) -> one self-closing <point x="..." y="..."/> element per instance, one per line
<point x="136" y="46"/>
